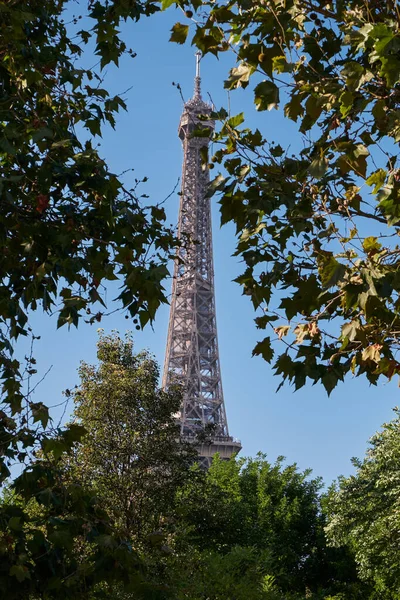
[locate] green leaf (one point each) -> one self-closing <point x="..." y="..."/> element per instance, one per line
<point x="61" y="539"/>
<point x="294" y="109"/>
<point x="204" y="156"/>
<point x="264" y="349"/>
<point x="15" y="523"/>
<point x="216" y="185"/>
<point x="94" y="126"/>
<point x="7" y="147"/>
<point x="346" y="103"/>
<point x="62" y="143"/>
<point x="266" y="95"/>
<point x="277" y="151"/>
<point x="42" y="133"/>
<point x="74" y="433"/>
<point x="379" y="112"/>
<point x="208" y="40"/>
<point x="167" y="3"/>
<point x="390" y="69"/>
<point x="179" y="33"/>
<point x="318" y="167"/>
<point x="361" y="150"/>
<point x="55" y="446"/>
<point x="40" y="412"/>
<point x="201" y="132"/>
<point x="314" y="107"/>
<point x="236" y="120"/>
<point x="20" y="572"/>
<point x="85" y="35"/>
<point x="331" y="271"/>
<point x="263" y="321"/>
<point x="371" y="244"/>
<point x="156" y="538"/>
<point x="329" y="381"/>
<point x="377" y="179"/>
<point x="352" y="73"/>
<point x="280" y="65"/>
<point x="266" y="58"/>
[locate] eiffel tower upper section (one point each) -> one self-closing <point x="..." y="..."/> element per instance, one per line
<point x="192" y="355"/>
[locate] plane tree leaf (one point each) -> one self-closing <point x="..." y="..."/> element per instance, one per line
<point x="314" y="200"/>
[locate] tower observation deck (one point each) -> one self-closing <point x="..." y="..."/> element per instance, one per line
<point x="192" y="357"/>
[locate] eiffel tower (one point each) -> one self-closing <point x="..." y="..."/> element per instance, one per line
<point x="192" y="356"/>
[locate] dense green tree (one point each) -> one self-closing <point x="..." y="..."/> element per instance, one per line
<point x="274" y="510"/>
<point x="94" y="515"/>
<point x="132" y="454"/>
<point x="318" y="221"/>
<point x="68" y="226"/>
<point x="364" y="511"/>
<point x="243" y="527"/>
<point x="239" y="574"/>
<point x="45" y="524"/>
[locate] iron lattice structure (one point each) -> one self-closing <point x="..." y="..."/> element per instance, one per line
<point x="192" y="356"/>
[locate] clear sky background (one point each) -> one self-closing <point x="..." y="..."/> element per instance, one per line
<point x="306" y="426"/>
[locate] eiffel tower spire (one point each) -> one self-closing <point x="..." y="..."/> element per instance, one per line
<point x="197" y="80"/>
<point x="192" y="356"/>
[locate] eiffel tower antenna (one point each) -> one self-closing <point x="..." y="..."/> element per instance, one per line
<point x="197" y="80"/>
<point x="192" y="356"/>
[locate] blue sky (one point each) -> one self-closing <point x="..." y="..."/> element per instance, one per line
<point x="306" y="426"/>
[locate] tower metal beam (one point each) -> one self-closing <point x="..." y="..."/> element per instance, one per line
<point x="192" y="356"/>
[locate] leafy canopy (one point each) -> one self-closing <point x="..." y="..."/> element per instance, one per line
<point x="44" y="524"/>
<point x="364" y="511"/>
<point x="132" y="455"/>
<point x="68" y="226"/>
<point x="317" y="227"/>
<point x="268" y="519"/>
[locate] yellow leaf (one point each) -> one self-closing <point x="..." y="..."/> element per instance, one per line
<point x="373" y="353"/>
<point x="282" y="330"/>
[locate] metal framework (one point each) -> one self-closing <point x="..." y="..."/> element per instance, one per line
<point x="192" y="355"/>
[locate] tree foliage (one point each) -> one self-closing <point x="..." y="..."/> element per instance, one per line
<point x="68" y="226"/>
<point x="317" y="231"/>
<point x="238" y="574"/>
<point x="364" y="511"/>
<point x="132" y="455"/>
<point x="91" y="518"/>
<point x="123" y="515"/>
<point x="44" y="524"/>
<point x="318" y="223"/>
<point x="268" y="518"/>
